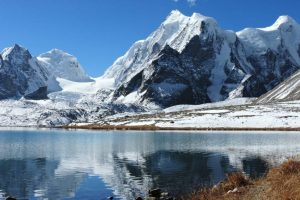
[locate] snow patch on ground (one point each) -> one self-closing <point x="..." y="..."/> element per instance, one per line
<point x="231" y="102"/>
<point x="213" y="111"/>
<point x="229" y="115"/>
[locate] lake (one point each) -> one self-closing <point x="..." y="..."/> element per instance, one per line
<point x="61" y="164"/>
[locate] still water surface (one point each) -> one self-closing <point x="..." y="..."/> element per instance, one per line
<point x="56" y="164"/>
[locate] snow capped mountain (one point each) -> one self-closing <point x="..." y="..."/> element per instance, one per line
<point x="34" y="77"/>
<point x="283" y="32"/>
<point x="176" y="31"/>
<point x="63" y="65"/>
<point x="16" y="55"/>
<point x="20" y="75"/>
<point x="191" y="60"/>
<point x="175" y="34"/>
<point x="273" y="54"/>
<point x="65" y="93"/>
<point x="187" y="60"/>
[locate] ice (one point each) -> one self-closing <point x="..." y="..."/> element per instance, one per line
<point x="218" y="75"/>
<point x="63" y="65"/>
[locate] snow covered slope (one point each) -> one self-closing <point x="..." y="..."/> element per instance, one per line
<point x="63" y="65"/>
<point x="176" y="31"/>
<point x="288" y="90"/>
<point x="90" y="87"/>
<point x="191" y="60"/>
<point x="230" y="115"/>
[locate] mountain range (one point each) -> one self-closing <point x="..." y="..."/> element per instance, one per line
<point x="191" y="60"/>
<point x="187" y="60"/>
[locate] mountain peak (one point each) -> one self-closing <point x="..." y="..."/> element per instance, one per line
<point x="63" y="65"/>
<point x="17" y="47"/>
<point x="285" y="19"/>
<point x="58" y="56"/>
<point x="176" y="31"/>
<point x="57" y="51"/>
<point x="283" y="22"/>
<point x="14" y="49"/>
<point x="200" y="17"/>
<point x="16" y="54"/>
<point x="175" y="16"/>
<point x="175" y="13"/>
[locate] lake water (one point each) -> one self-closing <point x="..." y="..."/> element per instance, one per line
<point x="58" y="164"/>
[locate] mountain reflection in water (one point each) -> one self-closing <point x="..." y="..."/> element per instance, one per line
<point x="95" y="165"/>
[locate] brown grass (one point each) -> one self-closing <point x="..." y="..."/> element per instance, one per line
<point x="284" y="181"/>
<point x="281" y="183"/>
<point x="221" y="191"/>
<point x="157" y="128"/>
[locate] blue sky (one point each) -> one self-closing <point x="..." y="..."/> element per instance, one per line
<point x="99" y="31"/>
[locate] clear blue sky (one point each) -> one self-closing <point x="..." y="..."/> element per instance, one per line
<point x="99" y="31"/>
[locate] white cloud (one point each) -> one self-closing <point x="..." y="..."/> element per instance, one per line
<point x="190" y="2"/>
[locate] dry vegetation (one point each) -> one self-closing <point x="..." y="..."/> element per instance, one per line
<point x="281" y="183"/>
<point x="157" y="128"/>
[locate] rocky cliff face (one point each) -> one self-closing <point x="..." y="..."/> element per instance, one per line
<point x="288" y="90"/>
<point x="191" y="60"/>
<point x="20" y="76"/>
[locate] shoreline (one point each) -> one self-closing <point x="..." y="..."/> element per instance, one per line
<point x="280" y="182"/>
<point x="154" y="128"/>
<point x="157" y="128"/>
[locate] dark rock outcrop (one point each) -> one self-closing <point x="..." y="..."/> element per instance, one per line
<point x="288" y="90"/>
<point x="211" y="66"/>
<point x="41" y="93"/>
<point x="19" y="76"/>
